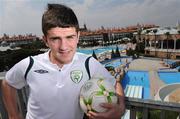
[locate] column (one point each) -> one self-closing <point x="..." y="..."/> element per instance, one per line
<point x="175" y="44"/>
<point x="150" y="42"/>
<point x="162" y="44"/>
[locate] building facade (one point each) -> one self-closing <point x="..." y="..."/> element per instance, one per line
<point x="161" y="42"/>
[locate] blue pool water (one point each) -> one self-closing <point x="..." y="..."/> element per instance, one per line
<point x="90" y="51"/>
<point x="98" y="50"/>
<point x="118" y="62"/>
<point x="169" y="77"/>
<point x="138" y="78"/>
<point x="115" y="63"/>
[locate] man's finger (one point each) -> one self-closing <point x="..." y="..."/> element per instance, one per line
<point x="107" y="105"/>
<point x="92" y="114"/>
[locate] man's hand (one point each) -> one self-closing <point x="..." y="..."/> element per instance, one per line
<point x="114" y="111"/>
<point x="10" y="101"/>
<point x="17" y="116"/>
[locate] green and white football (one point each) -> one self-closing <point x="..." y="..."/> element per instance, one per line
<point x="94" y="92"/>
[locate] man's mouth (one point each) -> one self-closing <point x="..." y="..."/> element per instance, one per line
<point x="64" y="52"/>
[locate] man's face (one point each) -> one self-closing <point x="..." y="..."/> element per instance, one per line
<point x="63" y="44"/>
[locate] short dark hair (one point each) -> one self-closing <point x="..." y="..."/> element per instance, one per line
<point x="58" y="15"/>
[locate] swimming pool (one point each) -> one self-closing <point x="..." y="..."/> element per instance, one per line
<point x="169" y="77"/>
<point x="118" y="61"/>
<point x="98" y="50"/>
<point x="115" y="63"/>
<point x="138" y="78"/>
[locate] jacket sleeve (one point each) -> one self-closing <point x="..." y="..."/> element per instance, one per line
<point x="15" y="76"/>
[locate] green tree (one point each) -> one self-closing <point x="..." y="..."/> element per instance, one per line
<point x="112" y="54"/>
<point x="117" y="53"/>
<point x="12" y="57"/>
<point x="94" y="55"/>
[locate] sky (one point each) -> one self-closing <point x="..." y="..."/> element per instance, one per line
<point x="24" y="16"/>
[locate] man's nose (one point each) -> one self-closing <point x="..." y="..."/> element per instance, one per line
<point x="63" y="44"/>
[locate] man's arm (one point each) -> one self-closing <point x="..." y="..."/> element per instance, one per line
<point x="10" y="100"/>
<point x="120" y="93"/>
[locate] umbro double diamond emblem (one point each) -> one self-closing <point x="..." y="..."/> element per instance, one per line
<point x="41" y="71"/>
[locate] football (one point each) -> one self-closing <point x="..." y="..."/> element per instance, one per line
<point x="95" y="91"/>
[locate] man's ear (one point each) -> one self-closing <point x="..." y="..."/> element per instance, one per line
<point x="45" y="41"/>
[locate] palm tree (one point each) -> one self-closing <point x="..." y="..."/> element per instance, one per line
<point x="147" y="32"/>
<point x="139" y="38"/>
<point x="155" y="31"/>
<point x="167" y="36"/>
<point x="139" y="31"/>
<point x="178" y="31"/>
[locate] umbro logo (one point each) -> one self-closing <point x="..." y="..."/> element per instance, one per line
<point x="41" y="71"/>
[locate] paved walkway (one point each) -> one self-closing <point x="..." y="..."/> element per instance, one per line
<point x="152" y="66"/>
<point x="146" y="64"/>
<point x="155" y="83"/>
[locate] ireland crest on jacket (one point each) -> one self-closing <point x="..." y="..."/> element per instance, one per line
<point x="76" y="76"/>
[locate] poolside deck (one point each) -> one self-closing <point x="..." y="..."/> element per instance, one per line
<point x="174" y="98"/>
<point x="155" y="83"/>
<point x="146" y="64"/>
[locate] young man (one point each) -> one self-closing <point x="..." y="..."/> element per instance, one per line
<point x="56" y="76"/>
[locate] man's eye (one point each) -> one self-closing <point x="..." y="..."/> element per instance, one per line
<point x="54" y="39"/>
<point x="71" y="37"/>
